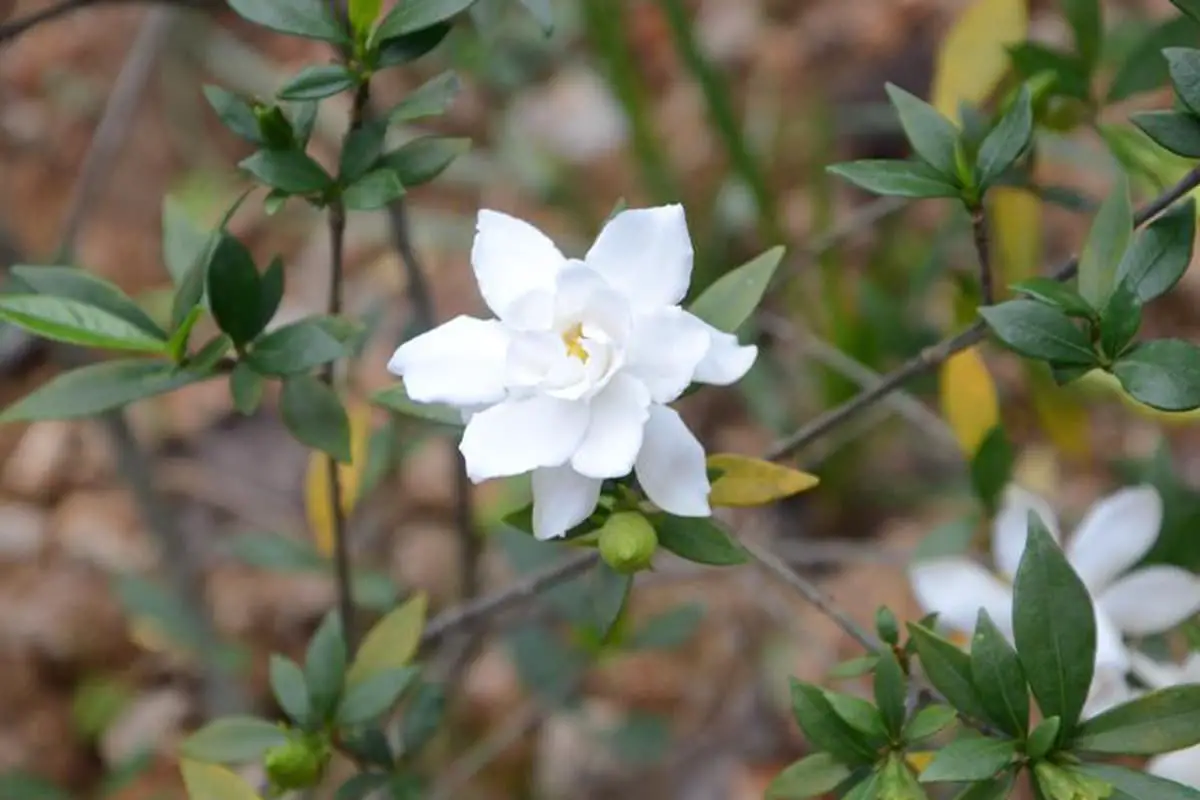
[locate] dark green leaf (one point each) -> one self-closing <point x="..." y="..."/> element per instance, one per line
<point x="810" y="776"/>
<point x="207" y="357"/>
<point x="234" y="291"/>
<point x="233" y="740"/>
<point x="992" y="468"/>
<point x="1120" y="320"/>
<point x="1189" y="7"/>
<point x="975" y="759"/>
<point x="668" y="630"/>
<point x="1086" y="23"/>
<point x="362" y="786"/>
<point x="290" y="171"/>
<point x="891" y="690"/>
<point x="1144" y="69"/>
<point x="368" y="745"/>
<point x="73" y="322"/>
<point x="303" y="118"/>
<point x="411" y="46"/>
<point x="949" y="670"/>
<point x="732" y="299"/>
<point x="1160" y="253"/>
<point x="932" y="136"/>
<point x="1176" y="131"/>
<point x="1054" y="627"/>
<point x="897" y="178"/>
<point x="374" y="696"/>
<point x="415" y="15"/>
<point x="1184" y="66"/>
<point x="1057" y="294"/>
<point x="928" y="721"/>
<point x="998" y="788"/>
<point x="75" y="284"/>
<point x="318" y="82"/>
<point x="869" y="788"/>
<point x="825" y="729"/>
<point x="430" y="99"/>
<point x="1042" y="738"/>
<point x="1109" y="237"/>
<point x="325" y="666"/>
<point x="395" y="398"/>
<point x="246" y="387"/>
<point x="608" y="590"/>
<point x="1072" y="77"/>
<point x="270" y="292"/>
<point x="1039" y="331"/>
<point x="295" y="348"/>
<point x="422" y="717"/>
<point x="1129" y="784"/>
<point x="235" y="113"/>
<point x="999" y="678"/>
<point x="373" y="191"/>
<point x="314" y="414"/>
<point x="861" y="715"/>
<point x="1163" y="374"/>
<point x="275" y="552"/>
<point x="309" y="19"/>
<point x="1158" y="722"/>
<point x="424" y="158"/>
<point x="697" y="539"/>
<point x="361" y="151"/>
<point x="289" y="687"/>
<point x="1007" y="141"/>
<point x="100" y="387"/>
<point x="20" y="786"/>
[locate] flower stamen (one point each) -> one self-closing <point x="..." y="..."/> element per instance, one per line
<point x="572" y="337"/>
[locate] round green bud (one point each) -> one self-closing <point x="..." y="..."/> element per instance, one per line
<point x="299" y="763"/>
<point x="627" y="541"/>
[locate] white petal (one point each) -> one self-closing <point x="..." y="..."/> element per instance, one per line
<point x="1181" y="766"/>
<point x="1114" y="535"/>
<point x="562" y="498"/>
<point x="726" y="361"/>
<point x="1157" y="674"/>
<point x="614" y="435"/>
<point x="1109" y="688"/>
<point x="1151" y="600"/>
<point x="646" y="254"/>
<point x="956" y="589"/>
<point x="518" y="436"/>
<point x="512" y="259"/>
<point x="1111" y="652"/>
<point x="1011" y="527"/>
<point x="670" y="466"/>
<point x="665" y="347"/>
<point x="460" y="362"/>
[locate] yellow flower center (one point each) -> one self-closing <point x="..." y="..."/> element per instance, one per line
<point x="572" y="338"/>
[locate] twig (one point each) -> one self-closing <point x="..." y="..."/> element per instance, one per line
<point x="19" y="26"/>
<point x="979" y="231"/>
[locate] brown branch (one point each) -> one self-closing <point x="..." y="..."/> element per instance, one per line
<point x="12" y="30"/>
<point x="979" y="232"/>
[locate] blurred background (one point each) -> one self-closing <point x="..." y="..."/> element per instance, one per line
<point x="733" y="107"/>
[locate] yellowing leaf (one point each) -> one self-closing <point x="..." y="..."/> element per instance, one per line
<point x="1016" y="223"/>
<point x="920" y="759"/>
<point x="1101" y="382"/>
<point x="968" y="398"/>
<point x="316" y="485"/>
<point x="746" y="481"/>
<point x="393" y="641"/>
<point x="972" y="58"/>
<point x="214" y="782"/>
<point x="1063" y="418"/>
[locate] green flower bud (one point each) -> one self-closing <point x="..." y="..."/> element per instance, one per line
<point x="274" y="127"/>
<point x="627" y="541"/>
<point x="886" y="626"/>
<point x="297" y="764"/>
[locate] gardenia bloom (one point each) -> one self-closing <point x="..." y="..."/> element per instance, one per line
<point x="1114" y="535"/>
<point x="571" y="380"/>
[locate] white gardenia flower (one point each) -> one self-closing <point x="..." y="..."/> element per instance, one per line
<point x="1113" y="536"/>
<point x="571" y="380"/>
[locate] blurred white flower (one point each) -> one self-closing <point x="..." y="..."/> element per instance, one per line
<point x="1113" y="536"/>
<point x="1181" y="766"/>
<point x="571" y="381"/>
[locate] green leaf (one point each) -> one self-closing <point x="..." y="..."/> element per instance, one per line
<point x="1158" y="722"/>
<point x="363" y="14"/>
<point x="295" y="348"/>
<point x="19" y="786"/>
<point x="213" y="782"/>
<point x="897" y="781"/>
<point x="1189" y="7"/>
<point x="432" y="98"/>
<point x="395" y="398"/>
<point x="276" y="552"/>
<point x="1054" y="627"/>
<point x="825" y="729"/>
<point x="1087" y="24"/>
<point x="810" y="776"/>
<point x="373" y="191"/>
<point x="422" y="717"/>
<point x="411" y="46"/>
<point x="1057" y="294"/>
<point x="75" y="284"/>
<point x="973" y="759"/>
<point x="1006" y="142"/>
<point x="233" y="740"/>
<point x="1164" y="374"/>
<point x="325" y="666"/>
<point x="1072" y="76"/>
<point x="424" y="158"/>
<point x="891" y="690"/>
<point x="607" y="592"/>
<point x="318" y="82"/>
<point x="246" y="387"/>
<point x="1111" y="231"/>
<point x="392" y="642"/>
<point x="998" y="788"/>
<point x="852" y="668"/>
<point x="270" y="286"/>
<point x="290" y="689"/>
<point x="234" y="291"/>
<point x="861" y="715"/>
<point x="413" y="15"/>
<point x="949" y="670"/>
<point x="1176" y="131"/>
<point x="73" y="322"/>
<point x="896" y="178"/>
<point x="1039" y="331"/>
<point x="290" y="171"/>
<point x="932" y="136"/>
<point x="183" y="242"/>
<point x="869" y="788"/>
<point x="669" y="630"/>
<point x="1042" y="738"/>
<point x="1120" y="320"/>
<point x="992" y="468"/>
<point x="303" y="117"/>
<point x="697" y="539"/>
<point x="372" y="697"/>
<point x="309" y="19"/>
<point x="730" y="301"/>
<point x="1161" y="253"/>
<point x="235" y="113"/>
<point x="314" y="414"/>
<point x="1184" y="66"/>
<point x="177" y="345"/>
<point x="1144" y="69"/>
<point x="929" y="721"/>
<point x="100" y="387"/>
<point x="999" y="678"/>
<point x="362" y="786"/>
<point x="1129" y="784"/>
<point x="361" y="151"/>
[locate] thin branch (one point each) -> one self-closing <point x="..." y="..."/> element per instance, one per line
<point x="979" y="232"/>
<point x="13" y="29"/>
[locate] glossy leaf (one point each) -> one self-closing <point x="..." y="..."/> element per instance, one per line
<point x="213" y="782"/>
<point x="825" y="729"/>
<point x="290" y="171"/>
<point x="1036" y="330"/>
<point x="361" y="151"/>
<point x="1110" y="235"/>
<point x="234" y="112"/>
<point x="929" y="721"/>
<point x="896" y="178"/>
<point x="1007" y="141"/>
<point x="373" y="191"/>
<point x="233" y="740"/>
<point x="733" y="297"/>
<point x="697" y="539"/>
<point x="100" y="387"/>
<point x="974" y="759"/>
<point x="1163" y="374"/>
<point x="234" y="291"/>
<point x="424" y="158"/>
<point x="933" y="137"/>
<point x="92" y="290"/>
<point x="809" y="777"/>
<point x="1129" y="784"/>
<point x="246" y="388"/>
<point x="1119" y="322"/>
<point x="415" y="15"/>
<point x="411" y="46"/>
<point x="1160" y="253"/>
<point x="1177" y="131"/>
<point x="318" y="82"/>
<point x="392" y="642"/>
<point x="949" y="670"/>
<point x="1057" y="294"/>
<point x="431" y="99"/>
<point x="1184" y="66"/>
<point x="73" y="322"/>
<point x="999" y="678"/>
<point x="290" y="689"/>
<point x="1158" y="722"/>
<point x="891" y="688"/>
<point x="325" y="666"/>
<point x="395" y="398"/>
<point x="309" y="19"/>
<point x="372" y="697"/>
<point x="295" y="348"/>
<point x="315" y="416"/>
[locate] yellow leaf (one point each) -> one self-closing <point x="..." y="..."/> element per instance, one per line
<point x="746" y="481"/>
<point x="968" y="398"/>
<point x="214" y="782"/>
<point x="1016" y="223"/>
<point x="972" y="58"/>
<point x="316" y="485"/>
<point x="1062" y="416"/>
<point x="920" y="759"/>
<point x="393" y="641"/>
